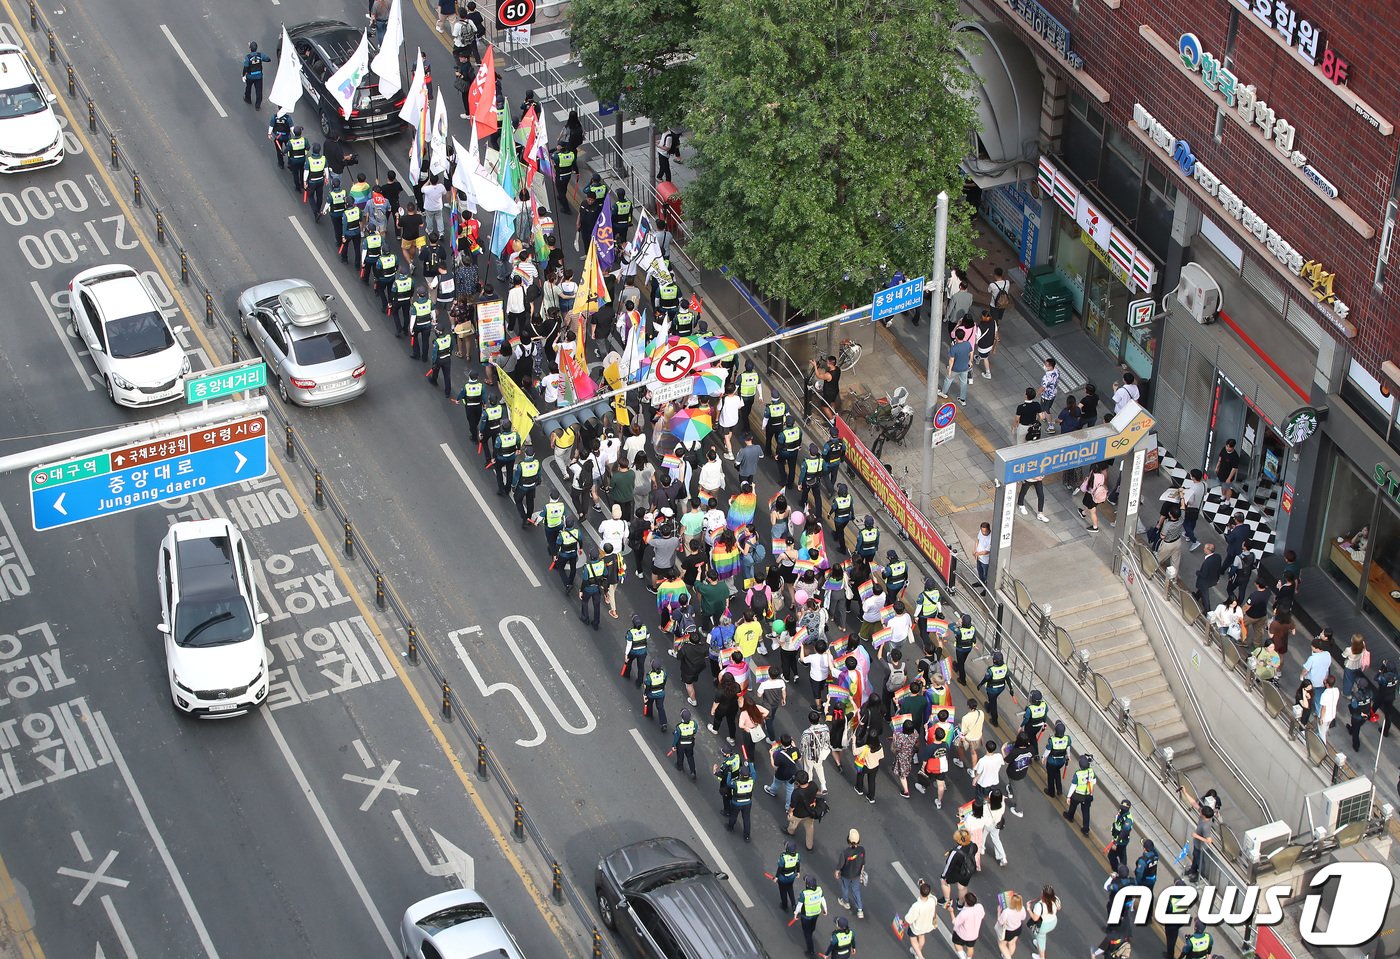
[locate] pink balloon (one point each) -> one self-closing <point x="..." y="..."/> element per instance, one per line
<point x="798" y="518"/>
<point x="801" y="597"/>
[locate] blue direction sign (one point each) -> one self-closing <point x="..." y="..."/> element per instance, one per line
<point x="120" y="490"/>
<point x="897" y="299"/>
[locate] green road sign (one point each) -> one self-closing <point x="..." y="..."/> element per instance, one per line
<point x="225" y="380"/>
<point x="83" y="467"/>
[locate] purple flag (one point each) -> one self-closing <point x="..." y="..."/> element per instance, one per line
<point x="604" y="237"/>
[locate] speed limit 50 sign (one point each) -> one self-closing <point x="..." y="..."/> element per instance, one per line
<point x="514" y="13"/>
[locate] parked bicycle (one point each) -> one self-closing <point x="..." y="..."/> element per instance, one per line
<point x="848" y="355"/>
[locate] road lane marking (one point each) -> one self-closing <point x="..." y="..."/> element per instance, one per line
<point x="179" y="52"/>
<point x="91" y="879"/>
<point x="363" y="753"/>
<point x="702" y="834"/>
<point x="128" y="949"/>
<point x="105" y="732"/>
<point x="945" y="929"/>
<point x="490" y="515"/>
<point x="590" y="723"/>
<point x="456" y="861"/>
<point x="377" y="786"/>
<point x="316" y="255"/>
<point x="488" y="689"/>
<point x="63" y="336"/>
<point x="320" y="812"/>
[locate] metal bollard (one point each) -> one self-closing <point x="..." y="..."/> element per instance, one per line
<point x="518" y="827"/>
<point x="558" y="874"/>
<point x="320" y="490"/>
<point x="53" y="48"/>
<point x="481" y="771"/>
<point x="446" y="701"/>
<point x="233" y="346"/>
<point x="208" y="307"/>
<point x="379" y="598"/>
<point x="349" y="540"/>
<point x="116" y="157"/>
<point x="412" y="645"/>
<point x="136" y="188"/>
<point x="291" y="447"/>
<point x="160" y="228"/>
<point x="72" y="82"/>
<point x="597" y="944"/>
<point x="92" y="116"/>
<point x="33" y="15"/>
<point x="184" y="268"/>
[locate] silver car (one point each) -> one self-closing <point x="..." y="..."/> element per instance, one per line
<point x="455" y="925"/>
<point x="304" y="348"/>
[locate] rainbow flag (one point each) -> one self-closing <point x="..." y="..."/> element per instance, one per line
<point x="836" y="691"/>
<point x="867" y="590"/>
<point x="800" y="635"/>
<point x="937" y="627"/>
<point x="725" y="561"/>
<point x="839" y="647"/>
<point x="779" y="546"/>
<point x="945" y="669"/>
<point x="886" y="614"/>
<point x="668" y="595"/>
<point x="742" y="507"/>
<point x="774" y="498"/>
<point x="882" y="636"/>
<point x="671" y="461"/>
<point x="897" y="723"/>
<point x="805" y="561"/>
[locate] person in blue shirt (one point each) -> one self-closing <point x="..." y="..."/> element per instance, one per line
<point x="253" y="74"/>
<point x="959" y="368"/>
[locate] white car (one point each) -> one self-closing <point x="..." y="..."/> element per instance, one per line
<point x="30" y="137"/>
<point x="214" y="650"/>
<point x="455" y="925"/>
<point x="136" y="353"/>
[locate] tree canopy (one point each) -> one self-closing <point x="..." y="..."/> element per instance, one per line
<point x="823" y="134"/>
<point x="638" y="53"/>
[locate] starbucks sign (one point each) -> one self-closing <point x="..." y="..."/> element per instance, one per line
<point x="1300" y="424"/>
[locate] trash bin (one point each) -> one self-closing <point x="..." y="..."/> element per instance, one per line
<point x="668" y="204"/>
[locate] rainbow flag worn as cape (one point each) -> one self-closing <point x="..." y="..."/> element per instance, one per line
<point x="725" y="561"/>
<point x="668" y="596"/>
<point x="740" y="672"/>
<point x="742" y="507"/>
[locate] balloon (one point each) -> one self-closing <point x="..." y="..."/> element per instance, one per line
<point x="801" y="597"/>
<point x="798" y="518"/>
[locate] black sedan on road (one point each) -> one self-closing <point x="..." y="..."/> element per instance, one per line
<point x="322" y="48"/>
<point x="666" y="903"/>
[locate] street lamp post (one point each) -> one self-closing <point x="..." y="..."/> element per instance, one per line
<point x="935" y="328"/>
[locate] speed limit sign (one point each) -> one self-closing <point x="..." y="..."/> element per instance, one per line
<point x="514" y="13"/>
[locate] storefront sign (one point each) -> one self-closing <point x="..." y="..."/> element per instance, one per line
<point x="1285" y="501"/>
<point x="1133" y="267"/>
<point x="1234" y="206"/>
<point x="1048" y="28"/>
<point x="1388" y="482"/>
<point x="1252" y="110"/>
<point x="1140" y="312"/>
<point x="1299" y="425"/>
<point x="1300" y="33"/>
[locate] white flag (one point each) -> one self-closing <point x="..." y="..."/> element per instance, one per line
<point x="345" y="81"/>
<point x="286" y="86"/>
<point x="462" y="175"/>
<point x="438" y="164"/>
<point x="412" y="108"/>
<point x="489" y="193"/>
<point x="386" y="62"/>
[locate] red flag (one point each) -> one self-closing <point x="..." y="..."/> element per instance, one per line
<point x="481" y="96"/>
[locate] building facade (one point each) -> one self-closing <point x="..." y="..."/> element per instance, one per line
<point x="1214" y="183"/>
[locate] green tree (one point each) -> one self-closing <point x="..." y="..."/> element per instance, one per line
<point x="823" y="134"/>
<point x="638" y="53"/>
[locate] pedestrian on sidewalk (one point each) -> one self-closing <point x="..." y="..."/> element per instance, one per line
<point x="850" y="874"/>
<point x="959" y="369"/>
<point x="1035" y="483"/>
<point x="983" y="552"/>
<point x="1049" y="388"/>
<point x="1170" y="532"/>
<point x="988" y="338"/>
<point x="1207" y="575"/>
<point x="1327" y="706"/>
<point x="1123" y="394"/>
<point x="999" y="294"/>
<point x="959" y="305"/>
<point x="1095" y="490"/>
<point x="1193" y="494"/>
<point x="1027" y="415"/>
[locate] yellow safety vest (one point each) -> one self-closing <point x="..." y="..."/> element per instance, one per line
<point x="315" y="167"/>
<point x="748" y="384"/>
<point x="1083" y="782"/>
<point x="553" y="513"/>
<point x="529" y="469"/>
<point x="812" y="903"/>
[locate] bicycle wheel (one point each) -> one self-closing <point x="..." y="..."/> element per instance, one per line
<point x="849" y="357"/>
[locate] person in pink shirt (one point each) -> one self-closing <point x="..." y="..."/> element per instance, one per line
<point x="967" y="923"/>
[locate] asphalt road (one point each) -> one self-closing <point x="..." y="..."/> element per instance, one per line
<point x="585" y="764"/>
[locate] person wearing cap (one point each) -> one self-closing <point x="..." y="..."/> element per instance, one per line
<point x="725" y="769"/>
<point x="929" y="605"/>
<point x="420" y="311"/>
<point x="1056" y="759"/>
<point x="595" y="574"/>
<point x="811" y="905"/>
<point x="654" y="692"/>
<point x="1081" y="792"/>
<point x="749" y="388"/>
<point x="789" y="445"/>
<point x="253" y="74"/>
<point x="1118" y="879"/>
<point x="525" y="480"/>
<point x="683" y="742"/>
<point x="895" y="573"/>
<point x="1035" y="718"/>
<point x="1199" y="944"/>
<point x="504" y="450"/>
<point x="296" y="157"/>
<point x="964" y="641"/>
<point x="843" y="940"/>
<point x="785" y="876"/>
<point x="1121" y="833"/>
<point x="810" y="480"/>
<point x="565" y="549"/>
<point x="741" y="799"/>
<point x="995" y="681"/>
<point x="834" y="453"/>
<point x="867" y="540"/>
<point x="1145" y="871"/>
<point x="849" y="874"/>
<point x="634" y="651"/>
<point x="313" y="189"/>
<point x="842" y="514"/>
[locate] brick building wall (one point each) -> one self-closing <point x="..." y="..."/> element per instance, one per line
<point x="1337" y="141"/>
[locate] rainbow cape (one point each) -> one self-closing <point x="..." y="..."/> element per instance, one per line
<point x="742" y="507"/>
<point x="725" y="561"/>
<point x="668" y="595"/>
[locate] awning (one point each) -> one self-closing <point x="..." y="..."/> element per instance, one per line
<point x="1006" y="91"/>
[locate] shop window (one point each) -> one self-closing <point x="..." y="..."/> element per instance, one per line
<point x="1365" y="408"/>
<point x="1082" y="146"/>
<point x="1347" y="511"/>
<point x="1154" y="225"/>
<point x="1120" y="182"/>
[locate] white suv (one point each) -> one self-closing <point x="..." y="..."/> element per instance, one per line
<point x="214" y="650"/>
<point x="135" y="351"/>
<point x="30" y="137"/>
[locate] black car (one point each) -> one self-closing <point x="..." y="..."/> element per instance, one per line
<point x="667" y="904"/>
<point x="322" y="48"/>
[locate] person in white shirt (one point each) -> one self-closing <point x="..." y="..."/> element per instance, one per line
<point x="552" y="386"/>
<point x="999" y="285"/>
<point x="714" y="521"/>
<point x="730" y="408"/>
<point x="433" y="193"/>
<point x="901" y="626"/>
<point x="987" y="773"/>
<point x="1327" y="707"/>
<point x="635" y="443"/>
<point x="819" y="666"/>
<point x="870" y="612"/>
<point x="515" y="305"/>
<point x="1124" y="393"/>
<point x="609" y="450"/>
<point x="614" y="530"/>
<point x="1194" y="490"/>
<point x="711" y="475"/>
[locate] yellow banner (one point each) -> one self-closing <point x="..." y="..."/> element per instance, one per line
<point x="522" y="411"/>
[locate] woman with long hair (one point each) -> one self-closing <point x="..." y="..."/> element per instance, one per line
<point x="1042" y="917"/>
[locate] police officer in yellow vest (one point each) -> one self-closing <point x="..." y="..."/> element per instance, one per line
<point x="401" y="295"/>
<point x="964" y="640"/>
<point x="995" y="680"/>
<point x="1036" y="718"/>
<point x="843" y="940"/>
<point x="810" y="481"/>
<point x="685" y="320"/>
<point x="668" y="300"/>
<point x="1081" y="792"/>
<point x="1199" y="944"/>
<point x="526" y="480"/>
<point x="596" y="188"/>
<point x="622" y="214"/>
<point x="896" y="574"/>
<point x="493" y="416"/>
<point x="336" y="199"/>
<point x="595" y="577"/>
<point x="785" y="876"/>
<point x="352" y="223"/>
<point x="811" y="905"/>
<point x="565" y="161"/>
<point x="842" y="512"/>
<point x="554" y="515"/>
<point x="566" y="555"/>
<point x="503" y="453"/>
<point x="315" y="185"/>
<point x="1175" y="907"/>
<point x="374" y="245"/>
<point x="725" y="770"/>
<point x="296" y="158"/>
<point x="774" y="418"/>
<point x="421" y="316"/>
<point x="741" y="799"/>
<point x="1056" y="759"/>
<point x="929" y="605"/>
<point x="386" y="268"/>
<point x="441" y="357"/>
<point x="471" y="397"/>
<point x="654" y="693"/>
<point x="749" y="386"/>
<point x="834" y="452"/>
<point x="868" y="540"/>
<point x="789" y="445"/>
<point x="635" y="650"/>
<point x="683" y="743"/>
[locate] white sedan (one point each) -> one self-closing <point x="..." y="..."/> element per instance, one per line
<point x="30" y="137"/>
<point x="455" y="925"/>
<point x="132" y="345"/>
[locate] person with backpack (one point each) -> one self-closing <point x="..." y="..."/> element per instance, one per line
<point x="805" y="809"/>
<point x="958" y="867"/>
<point x="1359" y="707"/>
<point x="668" y="148"/>
<point x="999" y="294"/>
<point x="1387" y="682"/>
<point x="1019" y="756"/>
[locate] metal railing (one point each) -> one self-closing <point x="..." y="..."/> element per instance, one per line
<point x="149" y="204"/>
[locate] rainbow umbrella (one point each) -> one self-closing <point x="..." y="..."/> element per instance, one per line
<point x="692" y="426"/>
<point x="708" y="383"/>
<point x="717" y="346"/>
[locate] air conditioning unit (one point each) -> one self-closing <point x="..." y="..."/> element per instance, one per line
<point x="1347" y="802"/>
<point x="1262" y="842"/>
<point x="1198" y="293"/>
